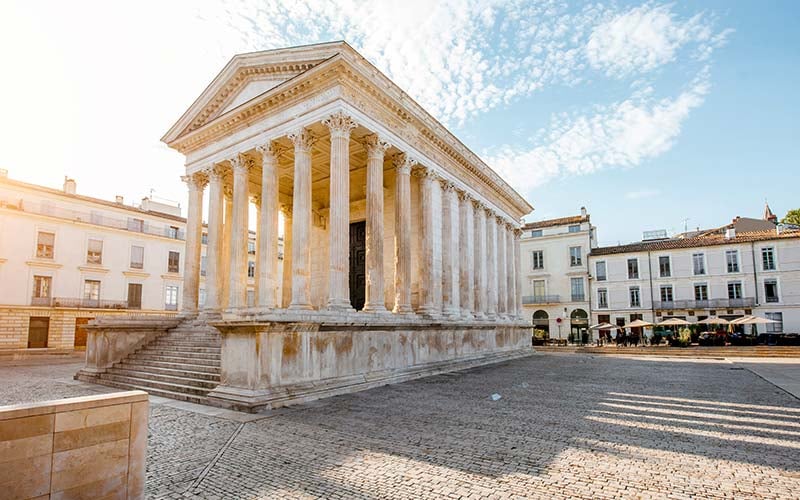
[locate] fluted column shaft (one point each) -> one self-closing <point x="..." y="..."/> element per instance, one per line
<point x="268" y="228"/>
<point x="480" y="259"/>
<point x="375" y="299"/>
<point x="491" y="258"/>
<point x="502" y="284"/>
<point x="286" y="278"/>
<point x="340" y="126"/>
<point x="402" y="234"/>
<point x="466" y="237"/>
<point x="227" y="231"/>
<point x="511" y="285"/>
<point x="214" y="249"/>
<point x="194" y="230"/>
<point x="301" y="221"/>
<point x="237" y="290"/>
<point x="518" y="272"/>
<point x="431" y="291"/>
<point x="450" y="251"/>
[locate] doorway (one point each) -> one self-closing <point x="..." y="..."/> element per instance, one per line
<point x="80" y="332"/>
<point x="358" y="273"/>
<point x="38" y="330"/>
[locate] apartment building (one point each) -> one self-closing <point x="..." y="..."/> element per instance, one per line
<point x="555" y="270"/>
<point x="66" y="258"/>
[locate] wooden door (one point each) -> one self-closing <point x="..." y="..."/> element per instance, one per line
<point x="80" y="332"/>
<point x="358" y="273"/>
<point x="38" y="330"/>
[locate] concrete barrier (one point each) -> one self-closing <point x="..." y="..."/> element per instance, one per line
<point x="87" y="447"/>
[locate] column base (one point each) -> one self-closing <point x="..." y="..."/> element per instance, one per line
<point x="429" y="312"/>
<point x="375" y="309"/>
<point x="402" y="309"/>
<point x="300" y="307"/>
<point x="337" y="305"/>
<point x="210" y="314"/>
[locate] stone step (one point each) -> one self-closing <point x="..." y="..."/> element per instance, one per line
<point x="145" y="382"/>
<point x="185" y="379"/>
<point x="180" y="396"/>
<point x="186" y="353"/>
<point x="183" y="348"/>
<point x="140" y="356"/>
<point x="166" y="365"/>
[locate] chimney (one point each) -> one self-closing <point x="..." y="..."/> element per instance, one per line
<point x="119" y="199"/>
<point x="69" y="185"/>
<point x="730" y="233"/>
<point x="583" y="211"/>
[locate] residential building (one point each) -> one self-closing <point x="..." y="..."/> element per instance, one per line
<point x="555" y="275"/>
<point x="66" y="258"/>
<point x="749" y="266"/>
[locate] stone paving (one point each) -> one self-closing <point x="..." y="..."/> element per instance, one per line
<point x="566" y="426"/>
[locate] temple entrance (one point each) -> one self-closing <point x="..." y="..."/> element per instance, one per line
<point x="358" y="273"/>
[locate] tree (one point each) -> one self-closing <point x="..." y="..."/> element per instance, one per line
<point x="792" y="217"/>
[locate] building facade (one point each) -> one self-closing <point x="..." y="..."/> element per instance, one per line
<point x="724" y="272"/>
<point x="66" y="259"/>
<point x="555" y="269"/>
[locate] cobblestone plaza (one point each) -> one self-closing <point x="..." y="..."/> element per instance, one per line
<point x="565" y="426"/>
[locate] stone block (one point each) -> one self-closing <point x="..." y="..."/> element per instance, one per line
<point x="92" y="417"/>
<point x="137" y="452"/>
<point x="91" y="435"/>
<point x="82" y="466"/>
<point x="26" y="477"/>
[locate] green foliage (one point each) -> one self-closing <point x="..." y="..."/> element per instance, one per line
<point x="792" y="217"/>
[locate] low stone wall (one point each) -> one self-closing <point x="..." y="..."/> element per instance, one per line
<point x="109" y="340"/>
<point x="268" y="364"/>
<point x="88" y="447"/>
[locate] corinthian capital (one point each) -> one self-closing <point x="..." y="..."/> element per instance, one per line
<point x="302" y="140"/>
<point x="269" y="151"/>
<point x="403" y="163"/>
<point x="195" y="181"/>
<point x="447" y="185"/>
<point x="375" y="146"/>
<point x="241" y="163"/>
<point x="340" y="124"/>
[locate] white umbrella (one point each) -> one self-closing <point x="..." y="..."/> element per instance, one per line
<point x="754" y="320"/>
<point x="610" y="327"/>
<point x="673" y="322"/>
<point x="638" y="324"/>
<point x="600" y="326"/>
<point x="713" y="320"/>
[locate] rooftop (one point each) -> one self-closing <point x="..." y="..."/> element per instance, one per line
<point x="561" y="221"/>
<point x="703" y="240"/>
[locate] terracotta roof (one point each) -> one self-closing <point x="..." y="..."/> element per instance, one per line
<point x="562" y="221"/>
<point x="699" y="241"/>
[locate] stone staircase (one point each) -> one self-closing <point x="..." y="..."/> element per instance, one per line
<point x="182" y="364"/>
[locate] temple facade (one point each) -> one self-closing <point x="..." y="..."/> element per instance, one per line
<point x="400" y="246"/>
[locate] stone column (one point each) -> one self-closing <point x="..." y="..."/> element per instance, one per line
<point x="450" y="251"/>
<point x="402" y="234"/>
<point x="340" y="126"/>
<point x="286" y="279"/>
<point x="518" y="272"/>
<point x="480" y="259"/>
<point x="301" y="221"/>
<point x="431" y="282"/>
<point x="502" y="284"/>
<point x="375" y="299"/>
<point x="214" y="249"/>
<point x="268" y="227"/>
<point x="237" y="291"/>
<point x="491" y="259"/>
<point x="511" y="286"/>
<point x="226" y="244"/>
<point x="194" y="232"/>
<point x="466" y="237"/>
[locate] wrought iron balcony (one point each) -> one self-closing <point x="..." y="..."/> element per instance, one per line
<point x="78" y="303"/>
<point x="541" y="299"/>
<point x="706" y="304"/>
<point x="578" y="297"/>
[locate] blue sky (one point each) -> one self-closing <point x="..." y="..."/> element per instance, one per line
<point x="646" y="113"/>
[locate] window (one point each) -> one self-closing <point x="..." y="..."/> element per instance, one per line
<point x="774" y="327"/>
<point x="666" y="293"/>
<point x="91" y="291"/>
<point x="44" y="245"/>
<point x="699" y="263"/>
<point x="576" y="286"/>
<point x="171" y="298"/>
<point x="700" y="291"/>
<point x="602" y="298"/>
<point x="41" y="289"/>
<point x="734" y="290"/>
<point x="204" y="239"/>
<point x="172" y="232"/>
<point x="635" y="298"/>
<point x="536" y="233"/>
<point x="174" y="262"/>
<point x="574" y="228"/>
<point x="201" y="298"/>
<point x="94" y="252"/>
<point x="771" y="290"/>
<point x="768" y="258"/>
<point x="537" y="259"/>
<point x="664" y="266"/>
<point x="134" y="295"/>
<point x="136" y="225"/>
<point x="539" y="289"/>
<point x="600" y="270"/>
<point x="575" y="256"/>
<point x="203" y="265"/>
<point x="633" y="269"/>
<point x="251" y="269"/>
<point x="137" y="257"/>
<point x="732" y="260"/>
<point x="251" y="247"/>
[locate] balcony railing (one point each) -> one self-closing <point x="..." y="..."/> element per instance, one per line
<point x="706" y="304"/>
<point x="578" y="297"/>
<point x="78" y="303"/>
<point x="541" y="299"/>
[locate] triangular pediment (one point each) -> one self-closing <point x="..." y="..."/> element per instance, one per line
<point x="246" y="77"/>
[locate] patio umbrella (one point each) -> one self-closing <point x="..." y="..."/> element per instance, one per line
<point x="609" y="326"/>
<point x="600" y="326"/>
<point x="638" y="324"/>
<point x="754" y="320"/>
<point x="738" y="321"/>
<point x="713" y="320"/>
<point x="673" y="322"/>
